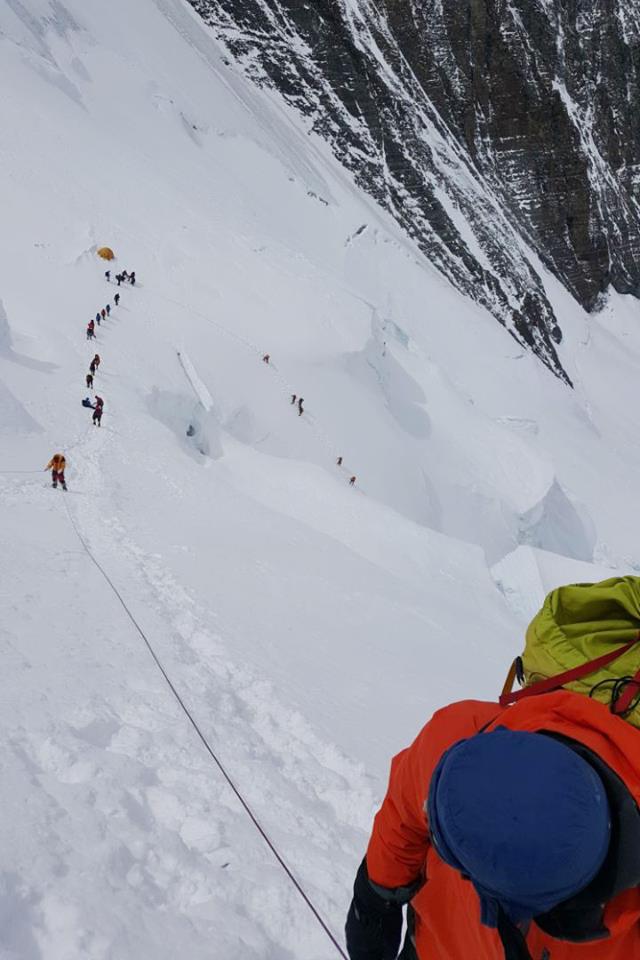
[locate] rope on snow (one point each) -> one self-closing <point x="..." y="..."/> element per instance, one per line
<point x="236" y="790"/>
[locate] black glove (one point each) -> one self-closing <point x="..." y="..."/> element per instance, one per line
<point x="374" y="925"/>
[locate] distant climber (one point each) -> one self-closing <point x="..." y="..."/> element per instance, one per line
<point x="89" y="379"/>
<point x="98" y="411"/>
<point x="118" y="279"/>
<point x="90" y="330"/>
<point x="300" y="407"/>
<point x="107" y="274"/>
<point x="132" y="278"/>
<point x="96" y="360"/>
<point x="293" y="398"/>
<point x="98" y="318"/>
<point x="124" y="275"/>
<point x="103" y="314"/>
<point x="108" y="309"/>
<point x="57" y="465"/>
<point x="266" y="358"/>
<point x="116" y="299"/>
<point x="352" y="481"/>
<point x="339" y="461"/>
<point x="191" y="430"/>
<point x="87" y="403"/>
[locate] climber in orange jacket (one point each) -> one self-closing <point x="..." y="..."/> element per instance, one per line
<point x="57" y="465"/>
<point x="512" y="833"/>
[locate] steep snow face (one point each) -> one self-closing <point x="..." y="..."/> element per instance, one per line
<point x="310" y="627"/>
<point x="487" y="129"/>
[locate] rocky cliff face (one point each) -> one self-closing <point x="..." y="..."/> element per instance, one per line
<point x="499" y="133"/>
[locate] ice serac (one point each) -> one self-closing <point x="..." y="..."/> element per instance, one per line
<point x="499" y="134"/>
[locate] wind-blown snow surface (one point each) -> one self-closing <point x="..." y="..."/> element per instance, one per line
<point x="310" y="627"/>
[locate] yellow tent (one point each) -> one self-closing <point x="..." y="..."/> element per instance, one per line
<point x="106" y="253"/>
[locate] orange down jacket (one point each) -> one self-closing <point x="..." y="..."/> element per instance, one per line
<point x="447" y="909"/>
<point x="57" y="463"/>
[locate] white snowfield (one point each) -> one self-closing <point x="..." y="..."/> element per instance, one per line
<point x="311" y="627"/>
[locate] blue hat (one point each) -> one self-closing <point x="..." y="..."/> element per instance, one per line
<point x="522" y="816"/>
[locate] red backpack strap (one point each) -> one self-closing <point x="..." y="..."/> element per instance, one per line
<point x="630" y="691"/>
<point x="511" y="679"/>
<point x="554" y="683"/>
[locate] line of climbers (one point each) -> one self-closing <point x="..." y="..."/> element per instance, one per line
<point x="98" y="406"/>
<point x="100" y="316"/>
<point x="121" y="277"/>
<point x="57" y="464"/>
<point x="299" y="401"/>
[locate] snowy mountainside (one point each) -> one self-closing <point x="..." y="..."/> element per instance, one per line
<point x="496" y="133"/>
<point x="310" y="627"/>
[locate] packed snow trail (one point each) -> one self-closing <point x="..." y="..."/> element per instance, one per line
<point x="98" y="443"/>
<point x="205" y="399"/>
<point x="233" y="786"/>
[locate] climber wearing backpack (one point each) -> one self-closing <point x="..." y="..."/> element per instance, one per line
<point x="57" y="465"/>
<point x="513" y="831"/>
<point x="98" y="411"/>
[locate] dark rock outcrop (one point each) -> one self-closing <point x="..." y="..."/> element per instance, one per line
<point x="495" y="131"/>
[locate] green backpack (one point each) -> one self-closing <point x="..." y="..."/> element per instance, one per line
<point x="586" y="638"/>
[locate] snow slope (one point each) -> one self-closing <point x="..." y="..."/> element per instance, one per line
<point x="311" y="628"/>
